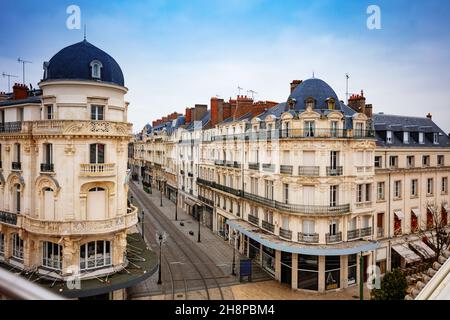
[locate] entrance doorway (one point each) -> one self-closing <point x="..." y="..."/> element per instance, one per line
<point x="286" y="268"/>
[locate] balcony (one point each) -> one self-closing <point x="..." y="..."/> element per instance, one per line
<point x="333" y="238"/>
<point x="308" y="170"/>
<point x="219" y="162"/>
<point x="352" y="234"/>
<point x="286" y="234"/>
<point x="253" y="165"/>
<point x="8" y="217"/>
<point x="362" y="205"/>
<point x="204" y="182"/>
<point x="285" y="169"/>
<point x="299" y="208"/>
<point x="308" y="238"/>
<point x="268" y="226"/>
<point x="11" y="127"/>
<point x="334" y="171"/>
<point x="221" y="187"/>
<point x="253" y="219"/>
<point x="268" y="167"/>
<point x="365" y="232"/>
<point x="47" y="167"/>
<point x="206" y="200"/>
<point x="16" y="165"/>
<point x="97" y="169"/>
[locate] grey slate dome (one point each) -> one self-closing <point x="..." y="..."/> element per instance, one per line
<point x="75" y="63"/>
<point x="314" y="88"/>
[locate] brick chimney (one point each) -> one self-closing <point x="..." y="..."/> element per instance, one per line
<point x="294" y="84"/>
<point x="188" y="115"/>
<point x="429" y="116"/>
<point x="358" y="103"/>
<point x="198" y="112"/>
<point x="215" y="110"/>
<point x="20" y="91"/>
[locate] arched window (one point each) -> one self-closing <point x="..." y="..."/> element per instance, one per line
<point x="49" y="204"/>
<point x="96" y="72"/>
<point x="95" y="254"/>
<point x="97" y="153"/>
<point x="52" y="255"/>
<point x="17" y="197"/>
<point x="96" y="204"/>
<point x="331" y="103"/>
<point x="17" y="247"/>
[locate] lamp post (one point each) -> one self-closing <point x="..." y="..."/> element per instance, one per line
<point x="142" y="226"/>
<point x="160" y="191"/>
<point x="233" y="265"/>
<point x="198" y="214"/>
<point x="361" y="277"/>
<point x="160" y="238"/>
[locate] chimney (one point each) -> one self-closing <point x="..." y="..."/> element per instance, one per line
<point x="358" y="103"/>
<point x="199" y="111"/>
<point x="429" y="116"/>
<point x="154" y="123"/>
<point x="368" y="110"/>
<point x="294" y="84"/>
<point x="188" y="115"/>
<point x="20" y="91"/>
<point x="215" y="110"/>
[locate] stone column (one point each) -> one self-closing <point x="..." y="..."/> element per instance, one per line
<point x="278" y="265"/>
<point x="344" y="272"/>
<point x="294" y="283"/>
<point x="321" y="273"/>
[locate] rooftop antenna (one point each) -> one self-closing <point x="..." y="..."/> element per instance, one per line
<point x="85" y="32"/>
<point x="252" y="92"/>
<point x="23" y="62"/>
<point x="313" y="74"/>
<point x="347" y="76"/>
<point x="239" y="90"/>
<point x="9" y="79"/>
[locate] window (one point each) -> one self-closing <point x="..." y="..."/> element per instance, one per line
<point x="393" y="161"/>
<point x="2" y="244"/>
<point x="310" y="102"/>
<point x="410" y="161"/>
<point x="48" y="153"/>
<point x="48" y="115"/>
<point x="333" y="228"/>
<point x="378" y="162"/>
<point x="308" y="272"/>
<point x="363" y="192"/>
<point x="95" y="254"/>
<point x="97" y="112"/>
<point x="397" y="189"/>
<point x="440" y="160"/>
<point x="444" y="185"/>
<point x="429" y="186"/>
<point x="308" y="227"/>
<point x="436" y="138"/>
<point x="331" y="104"/>
<point x="405" y="137"/>
<point x="17" y="197"/>
<point x="285" y="193"/>
<point x="269" y="189"/>
<point x="389" y="136"/>
<point x="97" y="153"/>
<point x="332" y="272"/>
<point x="309" y="128"/>
<point x="17" y="246"/>
<point x="20" y="114"/>
<point x="334" y="159"/>
<point x="414" y="188"/>
<point x="359" y="193"/>
<point x="17" y="152"/>
<point x="380" y="191"/>
<point x="96" y="69"/>
<point x="333" y="196"/>
<point x="285" y="222"/>
<point x="426" y="161"/>
<point x="352" y="267"/>
<point x="334" y="128"/>
<point x="421" y="141"/>
<point x="268" y="216"/>
<point x="52" y="255"/>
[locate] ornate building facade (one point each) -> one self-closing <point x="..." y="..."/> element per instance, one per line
<point x="63" y="176"/>
<point x="314" y="189"/>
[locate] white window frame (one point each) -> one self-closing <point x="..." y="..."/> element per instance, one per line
<point x="444" y="185"/>
<point x="55" y="262"/>
<point x="421" y="138"/>
<point x="430" y="186"/>
<point x="406" y="137"/>
<point x="106" y="259"/>
<point x="96" y="66"/>
<point x="17" y="247"/>
<point x="389" y="136"/>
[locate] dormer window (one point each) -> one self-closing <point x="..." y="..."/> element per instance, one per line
<point x="436" y="138"/>
<point x="331" y="104"/>
<point x="421" y="138"/>
<point x="310" y="103"/>
<point x="291" y="103"/>
<point x="405" y="137"/>
<point x="96" y="67"/>
<point x="389" y="136"/>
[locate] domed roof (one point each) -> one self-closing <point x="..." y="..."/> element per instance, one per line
<point x="75" y="63"/>
<point x="317" y="89"/>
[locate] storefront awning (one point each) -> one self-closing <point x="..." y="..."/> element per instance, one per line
<point x="399" y="214"/>
<point x="406" y="253"/>
<point x="272" y="241"/>
<point x="423" y="249"/>
<point x="190" y="202"/>
<point x="416" y="212"/>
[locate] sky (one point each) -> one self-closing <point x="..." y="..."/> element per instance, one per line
<point x="176" y="53"/>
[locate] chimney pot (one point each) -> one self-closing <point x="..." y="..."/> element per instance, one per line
<point x="429" y="116"/>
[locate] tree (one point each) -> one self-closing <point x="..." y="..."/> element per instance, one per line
<point x="393" y="287"/>
<point x="434" y="233"/>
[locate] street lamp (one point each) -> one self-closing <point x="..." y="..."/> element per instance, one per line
<point x="160" y="238"/>
<point x="233" y="265"/>
<point x="142" y="226"/>
<point x="176" y="205"/>
<point x="131" y="199"/>
<point x="198" y="214"/>
<point x="160" y="191"/>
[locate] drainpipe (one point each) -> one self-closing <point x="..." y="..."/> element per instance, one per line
<point x="389" y="214"/>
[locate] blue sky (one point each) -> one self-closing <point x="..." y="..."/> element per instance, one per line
<point x="178" y="53"/>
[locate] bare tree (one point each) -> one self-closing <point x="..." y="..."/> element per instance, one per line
<point x="434" y="231"/>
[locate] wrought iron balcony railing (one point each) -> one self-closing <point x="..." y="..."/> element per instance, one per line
<point x="365" y="232"/>
<point x="253" y="165"/>
<point x="268" y="226"/>
<point x="16" y="165"/>
<point x="11" y="127"/>
<point x="308" y="238"/>
<point x="286" y="234"/>
<point x="334" y="171"/>
<point x="47" y="167"/>
<point x="308" y="170"/>
<point x="8" y="217"/>
<point x="352" y="234"/>
<point x="333" y="238"/>
<point x="269" y="167"/>
<point x="253" y="219"/>
<point x="286" y="169"/>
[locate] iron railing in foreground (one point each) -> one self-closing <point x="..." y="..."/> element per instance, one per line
<point x="13" y="286"/>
